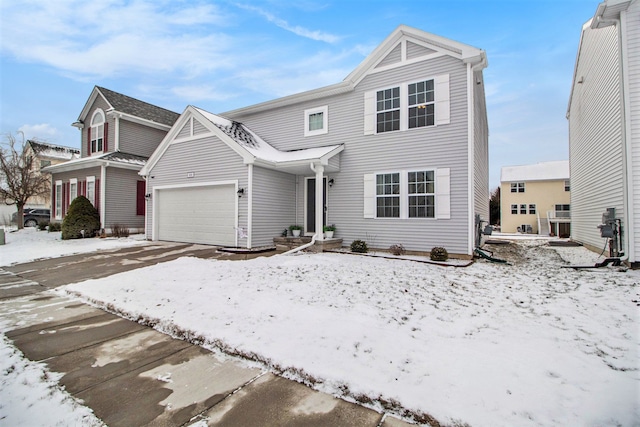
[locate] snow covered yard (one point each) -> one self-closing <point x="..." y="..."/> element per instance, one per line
<point x="531" y="344"/>
<point x="29" y="244"/>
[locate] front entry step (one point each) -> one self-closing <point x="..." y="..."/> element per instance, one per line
<point x="288" y="243"/>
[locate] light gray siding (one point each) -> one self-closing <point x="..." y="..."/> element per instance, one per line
<point x="595" y="138"/>
<point x="393" y="57"/>
<point x="120" y="198"/>
<point x="632" y="38"/>
<point x="481" y="149"/>
<point x="444" y="146"/>
<point x="102" y="104"/>
<point x="274" y="195"/>
<point x="138" y="139"/>
<point x="209" y="160"/>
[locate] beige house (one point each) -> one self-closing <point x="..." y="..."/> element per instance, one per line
<point x="536" y="199"/>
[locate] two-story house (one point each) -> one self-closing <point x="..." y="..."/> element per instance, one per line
<point x="118" y="134"/>
<point x="604" y="127"/>
<point x="395" y="153"/>
<point x="536" y="199"/>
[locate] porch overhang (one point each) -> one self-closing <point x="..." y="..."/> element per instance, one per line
<point x="117" y="160"/>
<point x="297" y="162"/>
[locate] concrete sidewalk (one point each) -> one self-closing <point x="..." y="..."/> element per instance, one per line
<point x="132" y="375"/>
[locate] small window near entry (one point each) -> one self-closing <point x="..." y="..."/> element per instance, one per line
<point x="58" y="195"/>
<point x="73" y="189"/>
<point x="514" y="209"/>
<point x="316" y="121"/>
<point x="388" y="108"/>
<point x="517" y="187"/>
<point x="532" y="209"/>
<point x="388" y="195"/>
<point x="523" y="209"/>
<point x="91" y="189"/>
<point x="567" y="185"/>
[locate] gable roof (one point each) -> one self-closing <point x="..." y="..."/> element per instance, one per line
<point x="431" y="46"/>
<point x="252" y="148"/>
<point x="131" y="107"/>
<point x="545" y="171"/>
<point x="112" y="159"/>
<point x="52" y="151"/>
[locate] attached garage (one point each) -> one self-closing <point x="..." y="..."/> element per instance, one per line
<point x="204" y="214"/>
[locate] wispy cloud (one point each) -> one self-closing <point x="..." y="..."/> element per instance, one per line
<point x="295" y="29"/>
<point x="40" y="131"/>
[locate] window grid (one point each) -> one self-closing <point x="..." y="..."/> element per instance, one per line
<point x="567" y="185"/>
<point x="517" y="187"/>
<point x="523" y="209"/>
<point x="316" y="121"/>
<point x="421" y="104"/>
<point x="514" y="209"/>
<point x="421" y="194"/>
<point x="388" y="195"/>
<point x="532" y="209"/>
<point x="388" y="108"/>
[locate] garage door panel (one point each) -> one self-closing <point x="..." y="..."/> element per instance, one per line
<point x="198" y="215"/>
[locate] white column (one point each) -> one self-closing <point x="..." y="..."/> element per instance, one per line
<point x="319" y="201"/>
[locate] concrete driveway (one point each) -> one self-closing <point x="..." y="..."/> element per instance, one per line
<point x="132" y="375"/>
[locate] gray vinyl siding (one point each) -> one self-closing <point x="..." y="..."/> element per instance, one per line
<point x="415" y="50"/>
<point x="393" y="57"/>
<point x="481" y="150"/>
<point x="120" y="198"/>
<point x="274" y="195"/>
<point x="595" y="135"/>
<point x="138" y="139"/>
<point x="98" y="103"/>
<point x="210" y="160"/>
<point x="444" y="146"/>
<point x="633" y="48"/>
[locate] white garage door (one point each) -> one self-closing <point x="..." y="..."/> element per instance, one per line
<point x="197" y="215"/>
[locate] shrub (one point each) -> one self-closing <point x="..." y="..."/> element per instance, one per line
<point x="397" y="249"/>
<point x="295" y="227"/>
<point x="331" y="227"/>
<point x="55" y="226"/>
<point x="42" y="225"/>
<point x="359" y="246"/>
<point x="119" y="230"/>
<point x="82" y="220"/>
<point x="439" y="254"/>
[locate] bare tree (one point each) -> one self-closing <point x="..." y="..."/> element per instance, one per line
<point x="20" y="177"/>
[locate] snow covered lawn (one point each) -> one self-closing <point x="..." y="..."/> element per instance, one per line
<point x="29" y="244"/>
<point x="531" y="344"/>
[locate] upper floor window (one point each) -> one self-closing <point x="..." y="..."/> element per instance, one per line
<point x="421" y="104"/>
<point x="517" y="187"/>
<point x="567" y="185"/>
<point x="388" y="110"/>
<point x="45" y="163"/>
<point x="316" y="121"/>
<point x="97" y="132"/>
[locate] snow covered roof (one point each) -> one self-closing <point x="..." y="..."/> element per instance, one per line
<point x="116" y="158"/>
<point x="52" y="151"/>
<point x="546" y="171"/>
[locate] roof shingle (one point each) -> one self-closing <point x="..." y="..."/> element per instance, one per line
<point x="135" y="107"/>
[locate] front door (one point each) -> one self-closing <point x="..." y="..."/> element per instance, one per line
<point x="310" y="205"/>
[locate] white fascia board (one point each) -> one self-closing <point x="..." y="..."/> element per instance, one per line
<point x="139" y="120"/>
<point x="89" y="163"/>
<point x="246" y="156"/>
<point x="94" y="94"/>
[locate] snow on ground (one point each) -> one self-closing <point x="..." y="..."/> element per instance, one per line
<point x="29" y="244"/>
<point x="530" y="344"/>
<point x="30" y="395"/>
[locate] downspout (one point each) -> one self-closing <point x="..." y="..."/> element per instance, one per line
<point x="249" y="205"/>
<point x="318" y="235"/>
<point x="103" y="194"/>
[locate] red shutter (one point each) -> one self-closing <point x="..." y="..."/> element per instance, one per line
<point x="67" y="196"/>
<point x="88" y="142"/>
<point x="106" y="133"/>
<point x="53" y="200"/>
<point x="62" y="204"/>
<point x="140" y="198"/>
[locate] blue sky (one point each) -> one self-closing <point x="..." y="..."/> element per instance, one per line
<point x="221" y="55"/>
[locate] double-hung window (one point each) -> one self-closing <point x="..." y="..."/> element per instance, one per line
<point x="514" y="209"/>
<point x="421" y="104"/>
<point x="388" y="195"/>
<point x="532" y="209"/>
<point x="58" y="196"/>
<point x="388" y="110"/>
<point x="97" y="132"/>
<point x="91" y="189"/>
<point x="523" y="209"/>
<point x="73" y="189"/>
<point x="421" y="194"/>
<point x="517" y="187"/>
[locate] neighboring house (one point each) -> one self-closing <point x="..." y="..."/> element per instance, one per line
<point x="118" y="134"/>
<point x="395" y="153"/>
<point x="45" y="154"/>
<point x="536" y="199"/>
<point x="604" y="126"/>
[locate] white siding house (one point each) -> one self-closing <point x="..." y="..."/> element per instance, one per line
<point x="395" y="153"/>
<point x="604" y="126"/>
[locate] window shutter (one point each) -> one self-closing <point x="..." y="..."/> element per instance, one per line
<point x="443" y="107"/>
<point x="88" y="141"/>
<point x="370" y="112"/>
<point x="53" y="200"/>
<point x="370" y="195"/>
<point x="140" y="198"/>
<point x="63" y="205"/>
<point x="443" y="193"/>
<point x="105" y="138"/>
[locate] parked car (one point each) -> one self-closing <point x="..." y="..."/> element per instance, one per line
<point x="32" y="217"/>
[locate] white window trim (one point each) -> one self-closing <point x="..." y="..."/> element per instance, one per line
<point x="442" y="108"/>
<point x="94" y="128"/>
<point x="73" y="194"/>
<point x="442" y="194"/>
<point x="325" y="120"/>
<point x="59" y="201"/>
<point x="91" y="179"/>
